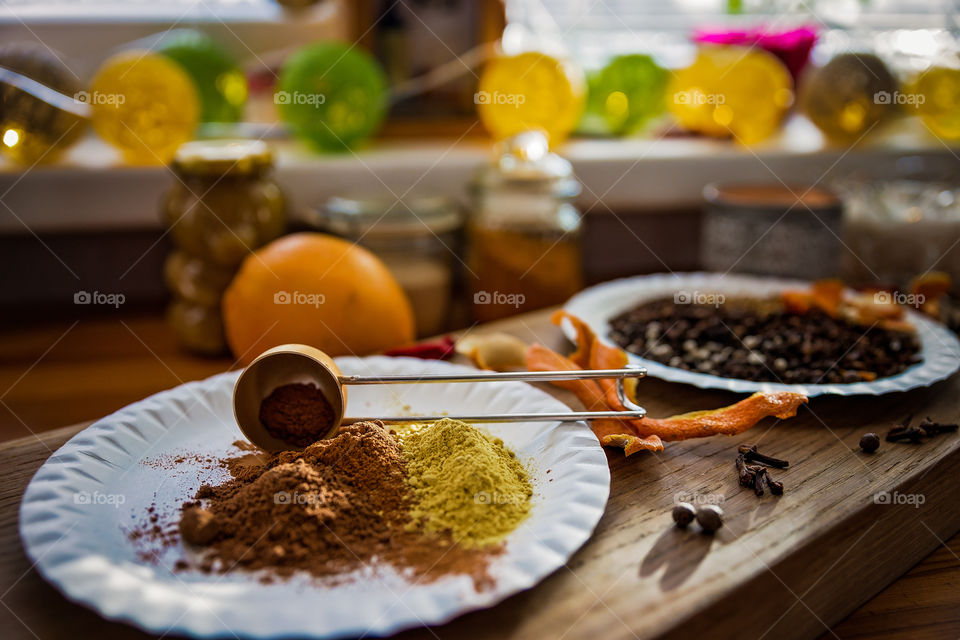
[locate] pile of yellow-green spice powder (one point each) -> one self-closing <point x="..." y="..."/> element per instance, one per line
<point x="465" y="482"/>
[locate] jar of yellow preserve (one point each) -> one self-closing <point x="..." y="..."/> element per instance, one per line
<point x="524" y="231"/>
<point x="222" y="206"/>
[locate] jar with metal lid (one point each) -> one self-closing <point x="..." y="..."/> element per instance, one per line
<point x="772" y="229"/>
<point x="524" y="231"/>
<point x="222" y="206"/>
<point x="417" y="238"/>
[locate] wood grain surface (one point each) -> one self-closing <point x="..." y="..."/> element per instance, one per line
<point x="788" y="567"/>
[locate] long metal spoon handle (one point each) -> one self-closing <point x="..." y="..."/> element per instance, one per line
<point x="523" y="376"/>
<point x="510" y="417"/>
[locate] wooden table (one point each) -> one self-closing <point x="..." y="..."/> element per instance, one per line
<point x="96" y="367"/>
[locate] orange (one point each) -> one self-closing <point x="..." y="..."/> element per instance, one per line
<point x="318" y="290"/>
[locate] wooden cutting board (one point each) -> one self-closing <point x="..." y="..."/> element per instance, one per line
<point x="781" y="567"/>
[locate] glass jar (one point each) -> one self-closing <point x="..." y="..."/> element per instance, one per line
<point x="771" y="229"/>
<point x="523" y="232"/>
<point x="222" y="206"/>
<point x="417" y="238"/>
<point x="901" y="220"/>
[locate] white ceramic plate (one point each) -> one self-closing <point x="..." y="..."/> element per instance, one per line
<point x="597" y="305"/>
<point x="80" y="506"/>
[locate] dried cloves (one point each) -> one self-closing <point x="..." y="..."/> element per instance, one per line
<point x="758" y="481"/>
<point x="776" y="488"/>
<point x="755" y="476"/>
<point x="745" y="474"/>
<point x="905" y="434"/>
<point x="752" y="455"/>
<point x="932" y="428"/>
<point x="927" y="428"/>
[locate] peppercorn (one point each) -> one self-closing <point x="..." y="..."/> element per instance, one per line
<point x="869" y="442"/>
<point x="683" y="514"/>
<point x="710" y="517"/>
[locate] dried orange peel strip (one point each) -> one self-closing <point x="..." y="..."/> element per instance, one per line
<point x="826" y="295"/>
<point x="648" y="434"/>
<point x="729" y="421"/>
<point x="870" y="306"/>
<point x="928" y="289"/>
<point x="613" y="433"/>
<point x="588" y="392"/>
<point x="593" y="354"/>
<point x="632" y="444"/>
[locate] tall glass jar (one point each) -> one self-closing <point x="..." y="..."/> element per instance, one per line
<point x="223" y="205"/>
<point x="523" y="232"/>
<point x="417" y="238"/>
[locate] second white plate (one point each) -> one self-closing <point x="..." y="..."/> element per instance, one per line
<point x="599" y="304"/>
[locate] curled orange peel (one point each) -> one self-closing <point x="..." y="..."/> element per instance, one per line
<point x="826" y="295"/>
<point x="647" y="434"/>
<point x="729" y="421"/>
<point x="929" y="288"/>
<point x="872" y="306"/>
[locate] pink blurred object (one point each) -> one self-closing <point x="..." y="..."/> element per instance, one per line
<point x="792" y="47"/>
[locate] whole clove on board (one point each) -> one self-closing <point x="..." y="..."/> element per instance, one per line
<point x="905" y="434"/>
<point x="776" y="488"/>
<point x="755" y="476"/>
<point x="931" y="428"/>
<point x="752" y="455"/>
<point x="927" y="428"/>
<point x="758" y="475"/>
<point x="745" y="475"/>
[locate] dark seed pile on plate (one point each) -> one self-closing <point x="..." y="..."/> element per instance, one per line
<point x="758" y="340"/>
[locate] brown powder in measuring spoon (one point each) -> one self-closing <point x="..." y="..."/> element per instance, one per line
<point x="338" y="505"/>
<point x="298" y="414"/>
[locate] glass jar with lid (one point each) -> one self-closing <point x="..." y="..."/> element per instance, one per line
<point x="418" y="238"/>
<point x="901" y="220"/>
<point x="223" y="205"/>
<point x="523" y="231"/>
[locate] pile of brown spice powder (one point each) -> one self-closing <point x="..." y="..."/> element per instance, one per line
<point x="339" y="505"/>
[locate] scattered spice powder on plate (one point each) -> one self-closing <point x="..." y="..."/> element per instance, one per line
<point x="346" y="503"/>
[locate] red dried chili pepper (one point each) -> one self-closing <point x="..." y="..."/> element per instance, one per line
<point x="440" y="349"/>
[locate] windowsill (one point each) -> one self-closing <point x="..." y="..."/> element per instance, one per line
<point x="90" y="188"/>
